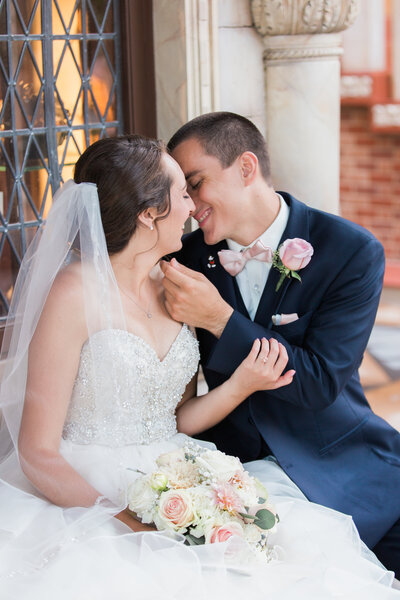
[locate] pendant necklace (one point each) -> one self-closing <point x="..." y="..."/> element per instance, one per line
<point x="146" y="312"/>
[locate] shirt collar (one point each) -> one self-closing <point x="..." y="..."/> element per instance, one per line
<point x="273" y="234"/>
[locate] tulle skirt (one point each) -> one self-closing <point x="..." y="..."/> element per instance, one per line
<point x="49" y="552"/>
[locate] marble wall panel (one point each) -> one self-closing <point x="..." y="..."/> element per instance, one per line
<point x="241" y="71"/>
<point x="170" y="65"/>
<point x="234" y="13"/>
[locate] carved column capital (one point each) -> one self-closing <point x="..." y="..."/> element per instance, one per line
<point x="304" y="17"/>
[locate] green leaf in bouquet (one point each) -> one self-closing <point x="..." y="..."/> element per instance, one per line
<point x="265" y="519"/>
<point x="190" y="540"/>
<point x="261" y="501"/>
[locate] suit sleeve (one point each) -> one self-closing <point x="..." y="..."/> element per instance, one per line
<point x="335" y="339"/>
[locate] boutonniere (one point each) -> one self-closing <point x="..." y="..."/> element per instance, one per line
<point x="291" y="256"/>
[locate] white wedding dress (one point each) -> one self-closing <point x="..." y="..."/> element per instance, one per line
<point x="47" y="552"/>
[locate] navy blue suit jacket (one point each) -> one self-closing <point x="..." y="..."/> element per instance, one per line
<point x="320" y="428"/>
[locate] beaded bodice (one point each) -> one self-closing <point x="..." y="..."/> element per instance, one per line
<point x="123" y="393"/>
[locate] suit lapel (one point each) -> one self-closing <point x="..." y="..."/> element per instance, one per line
<point x="297" y="226"/>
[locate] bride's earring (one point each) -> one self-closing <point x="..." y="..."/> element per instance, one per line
<point x="151" y="227"/>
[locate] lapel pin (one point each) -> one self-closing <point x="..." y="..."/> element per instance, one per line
<point x="211" y="262"/>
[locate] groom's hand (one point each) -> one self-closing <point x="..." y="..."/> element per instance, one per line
<point x="192" y="299"/>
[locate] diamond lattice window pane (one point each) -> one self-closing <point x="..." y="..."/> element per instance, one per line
<point x="4" y="64"/>
<point x="17" y="22"/>
<point x="29" y="15"/>
<point x="5" y="111"/>
<point x="67" y="15"/>
<point x="8" y="272"/>
<point x="7" y="177"/>
<point x="68" y="69"/>
<point x="99" y="16"/>
<point x="69" y="152"/>
<point x="3" y="18"/>
<point x="101" y="85"/>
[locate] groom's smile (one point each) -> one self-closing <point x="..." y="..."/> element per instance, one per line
<point x="202" y="215"/>
<point x="216" y="191"/>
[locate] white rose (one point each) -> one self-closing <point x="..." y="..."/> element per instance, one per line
<point x="223" y="466"/>
<point x="142" y="499"/>
<point x="170" y="458"/>
<point x="158" y="481"/>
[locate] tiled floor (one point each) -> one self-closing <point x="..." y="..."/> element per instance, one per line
<point x="380" y="370"/>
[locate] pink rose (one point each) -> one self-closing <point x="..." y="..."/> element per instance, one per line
<point x="176" y="508"/>
<point x="224" y="532"/>
<point x="296" y="253"/>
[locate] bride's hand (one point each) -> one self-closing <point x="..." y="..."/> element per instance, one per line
<point x="262" y="369"/>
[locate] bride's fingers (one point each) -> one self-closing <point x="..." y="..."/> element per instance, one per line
<point x="273" y="351"/>
<point x="282" y="360"/>
<point x="285" y="379"/>
<point x="255" y="349"/>
<point x="263" y="351"/>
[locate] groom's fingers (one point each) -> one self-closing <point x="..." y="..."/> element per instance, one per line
<point x="193" y="299"/>
<point x="179" y="274"/>
<point x="170" y="286"/>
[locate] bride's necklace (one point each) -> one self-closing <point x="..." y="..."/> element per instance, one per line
<point x="146" y="312"/>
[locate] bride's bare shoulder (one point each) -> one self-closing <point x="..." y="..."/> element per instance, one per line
<point x="66" y="293"/>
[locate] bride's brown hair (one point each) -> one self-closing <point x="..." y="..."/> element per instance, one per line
<point x="130" y="178"/>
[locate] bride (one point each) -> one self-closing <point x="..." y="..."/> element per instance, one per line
<point x="98" y="380"/>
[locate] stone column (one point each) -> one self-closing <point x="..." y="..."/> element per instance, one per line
<point x="302" y="85"/>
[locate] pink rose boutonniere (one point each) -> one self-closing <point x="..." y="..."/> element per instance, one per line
<point x="293" y="255"/>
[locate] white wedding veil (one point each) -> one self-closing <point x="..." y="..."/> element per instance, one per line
<point x="73" y="233"/>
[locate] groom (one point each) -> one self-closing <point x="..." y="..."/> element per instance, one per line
<point x="320" y="428"/>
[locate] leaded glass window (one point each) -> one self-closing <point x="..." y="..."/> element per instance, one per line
<point x="60" y="91"/>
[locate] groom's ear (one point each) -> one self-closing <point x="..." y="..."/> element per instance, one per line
<point x="248" y="163"/>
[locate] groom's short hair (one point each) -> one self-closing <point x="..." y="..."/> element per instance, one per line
<point x="226" y="136"/>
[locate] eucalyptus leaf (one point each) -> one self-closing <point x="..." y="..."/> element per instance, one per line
<point x="265" y="519"/>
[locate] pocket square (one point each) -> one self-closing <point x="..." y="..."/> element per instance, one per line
<point x="284" y="319"/>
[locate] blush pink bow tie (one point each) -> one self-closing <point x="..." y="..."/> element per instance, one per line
<point x="233" y="261"/>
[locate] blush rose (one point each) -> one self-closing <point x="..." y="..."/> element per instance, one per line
<point x="176" y="508"/>
<point x="295" y="253"/>
<point x="224" y="532"/>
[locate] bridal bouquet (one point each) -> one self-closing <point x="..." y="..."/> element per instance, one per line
<point x="205" y="495"/>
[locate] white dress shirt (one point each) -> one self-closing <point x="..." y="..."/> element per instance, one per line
<point x="252" y="279"/>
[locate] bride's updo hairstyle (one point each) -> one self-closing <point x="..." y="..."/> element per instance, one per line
<point x="130" y="178"/>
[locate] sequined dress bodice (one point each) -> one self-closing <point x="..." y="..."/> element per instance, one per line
<point x="124" y="394"/>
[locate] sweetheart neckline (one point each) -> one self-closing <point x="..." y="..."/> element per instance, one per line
<point x="138" y="337"/>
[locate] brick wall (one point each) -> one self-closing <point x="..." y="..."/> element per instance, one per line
<point x="370" y="178"/>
